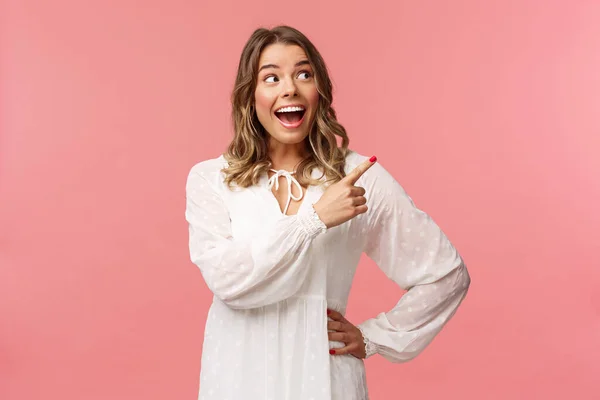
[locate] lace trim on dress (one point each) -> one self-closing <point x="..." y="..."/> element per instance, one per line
<point x="369" y="346"/>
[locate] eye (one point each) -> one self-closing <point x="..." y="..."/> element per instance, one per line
<point x="270" y="77"/>
<point x="308" y="74"/>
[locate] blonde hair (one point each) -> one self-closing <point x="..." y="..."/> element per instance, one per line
<point x="247" y="154"/>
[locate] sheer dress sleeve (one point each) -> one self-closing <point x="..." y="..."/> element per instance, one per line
<point x="249" y="273"/>
<point x="412" y="250"/>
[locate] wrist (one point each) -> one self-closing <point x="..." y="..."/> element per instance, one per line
<point x="312" y="224"/>
<point x="316" y="208"/>
<point x="370" y="348"/>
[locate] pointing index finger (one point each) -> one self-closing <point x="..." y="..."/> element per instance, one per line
<point x="357" y="172"/>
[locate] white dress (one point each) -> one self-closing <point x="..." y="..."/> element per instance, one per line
<point x="273" y="276"/>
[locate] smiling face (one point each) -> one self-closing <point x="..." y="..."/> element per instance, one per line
<point x="286" y="95"/>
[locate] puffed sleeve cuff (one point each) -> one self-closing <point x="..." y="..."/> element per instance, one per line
<point x="370" y="347"/>
<point x="311" y="223"/>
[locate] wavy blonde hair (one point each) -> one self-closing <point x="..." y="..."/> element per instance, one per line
<point x="247" y="154"/>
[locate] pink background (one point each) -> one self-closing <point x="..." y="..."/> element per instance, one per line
<point x="488" y="113"/>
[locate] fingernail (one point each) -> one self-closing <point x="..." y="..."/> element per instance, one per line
<point x="328" y="312"/>
<point x="331" y="351"/>
<point x="373" y="159"/>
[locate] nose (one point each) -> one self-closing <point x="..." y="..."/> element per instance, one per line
<point x="289" y="88"/>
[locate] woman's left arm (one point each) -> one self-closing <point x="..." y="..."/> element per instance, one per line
<point x="411" y="249"/>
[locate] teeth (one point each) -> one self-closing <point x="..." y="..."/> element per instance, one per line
<point x="290" y="109"/>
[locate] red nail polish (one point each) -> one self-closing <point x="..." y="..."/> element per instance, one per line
<point x="331" y="351"/>
<point x="328" y="312"/>
<point x="373" y="159"/>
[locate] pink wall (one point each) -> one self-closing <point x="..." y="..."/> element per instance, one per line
<point x="486" y="112"/>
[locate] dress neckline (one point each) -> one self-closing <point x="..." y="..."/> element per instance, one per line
<point x="291" y="180"/>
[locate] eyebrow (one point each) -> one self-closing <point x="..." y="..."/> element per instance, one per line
<point x="299" y="63"/>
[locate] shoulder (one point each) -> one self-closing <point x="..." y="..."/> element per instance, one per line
<point x="208" y="170"/>
<point x="210" y="165"/>
<point x="376" y="173"/>
<point x="381" y="184"/>
<point x="353" y="159"/>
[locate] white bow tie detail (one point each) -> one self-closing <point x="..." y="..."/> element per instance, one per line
<point x="274" y="180"/>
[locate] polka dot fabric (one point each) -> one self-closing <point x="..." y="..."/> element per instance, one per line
<point x="273" y="277"/>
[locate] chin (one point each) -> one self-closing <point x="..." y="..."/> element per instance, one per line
<point x="290" y="138"/>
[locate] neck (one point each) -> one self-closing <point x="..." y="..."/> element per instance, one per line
<point x="286" y="156"/>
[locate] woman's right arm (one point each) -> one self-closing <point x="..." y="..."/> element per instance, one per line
<point x="248" y="273"/>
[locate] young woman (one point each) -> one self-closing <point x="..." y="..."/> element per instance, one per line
<point x="277" y="226"/>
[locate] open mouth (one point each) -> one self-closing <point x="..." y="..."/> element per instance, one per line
<point x="290" y="116"/>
